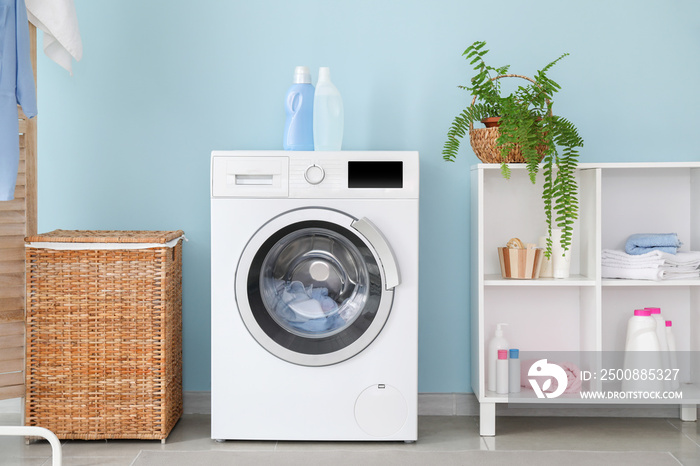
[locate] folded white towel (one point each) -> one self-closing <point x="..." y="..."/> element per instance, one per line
<point x="615" y="258"/>
<point x="633" y="259"/>
<point x="679" y="268"/>
<point x="691" y="258"/>
<point x="59" y="22"/>
<point x="632" y="274"/>
<point x="670" y="275"/>
<point x="655" y="265"/>
<point x="647" y="264"/>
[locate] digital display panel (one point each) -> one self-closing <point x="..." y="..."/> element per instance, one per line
<point x="375" y="174"/>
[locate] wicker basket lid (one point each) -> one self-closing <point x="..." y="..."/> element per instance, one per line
<point x="106" y="236"/>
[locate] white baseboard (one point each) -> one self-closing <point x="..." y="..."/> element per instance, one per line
<point x="466" y="404"/>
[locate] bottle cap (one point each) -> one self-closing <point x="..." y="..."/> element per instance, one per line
<point x="324" y="73"/>
<point x="669" y="323"/>
<point x="514" y="353"/>
<point x="642" y="312"/>
<point x="502" y="354"/>
<point x="653" y="310"/>
<point x="302" y="75"/>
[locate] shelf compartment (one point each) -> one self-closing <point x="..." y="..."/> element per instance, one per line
<point x="619" y="303"/>
<point x="531" y="317"/>
<point x="644" y="200"/>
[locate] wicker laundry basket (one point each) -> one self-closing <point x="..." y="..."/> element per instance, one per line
<point x="104" y="333"/>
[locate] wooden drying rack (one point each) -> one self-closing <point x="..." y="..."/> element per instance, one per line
<point x="18" y="218"/>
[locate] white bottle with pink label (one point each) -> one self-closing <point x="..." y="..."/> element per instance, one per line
<point x="642" y="354"/>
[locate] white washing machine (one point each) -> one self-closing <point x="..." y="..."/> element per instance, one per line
<point x="314" y="295"/>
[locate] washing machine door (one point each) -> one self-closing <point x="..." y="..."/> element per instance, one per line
<point x="315" y="286"/>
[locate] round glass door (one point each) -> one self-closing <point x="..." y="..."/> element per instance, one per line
<point x="310" y="288"/>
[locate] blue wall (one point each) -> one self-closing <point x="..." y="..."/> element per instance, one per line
<point x="125" y="142"/>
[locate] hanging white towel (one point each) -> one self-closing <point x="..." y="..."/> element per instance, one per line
<point x="59" y="22"/>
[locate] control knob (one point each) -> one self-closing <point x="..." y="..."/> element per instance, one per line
<point x="314" y="174"/>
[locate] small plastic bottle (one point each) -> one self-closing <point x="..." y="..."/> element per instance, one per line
<point x="502" y="372"/>
<point x="674" y="375"/>
<point x="498" y="342"/>
<point x="514" y="371"/>
<point x="299" y="107"/>
<point x="329" y="116"/>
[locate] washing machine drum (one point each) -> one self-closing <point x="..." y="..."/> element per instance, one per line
<point x="312" y="288"/>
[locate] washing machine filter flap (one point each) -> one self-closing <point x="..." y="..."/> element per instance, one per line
<point x="312" y="288"/>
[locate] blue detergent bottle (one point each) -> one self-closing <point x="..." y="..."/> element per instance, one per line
<point x="299" y="106"/>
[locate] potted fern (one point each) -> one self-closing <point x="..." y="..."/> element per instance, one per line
<point x="527" y="132"/>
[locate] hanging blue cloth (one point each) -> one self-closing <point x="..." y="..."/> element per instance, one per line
<point x="16" y="87"/>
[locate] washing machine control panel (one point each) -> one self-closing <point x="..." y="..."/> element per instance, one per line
<point x="318" y="175"/>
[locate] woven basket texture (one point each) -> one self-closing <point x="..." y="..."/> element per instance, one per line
<point x="104" y="337"/>
<point x="106" y="236"/>
<point x="483" y="141"/>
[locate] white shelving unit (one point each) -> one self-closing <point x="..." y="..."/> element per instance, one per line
<point x="583" y="314"/>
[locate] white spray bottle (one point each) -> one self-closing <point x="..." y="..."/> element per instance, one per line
<point x="496" y="343"/>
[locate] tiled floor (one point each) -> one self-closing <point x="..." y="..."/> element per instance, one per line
<point x="436" y="433"/>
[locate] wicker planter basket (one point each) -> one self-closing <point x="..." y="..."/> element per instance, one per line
<point x="520" y="263"/>
<point x="484" y="140"/>
<point x="104" y="333"/>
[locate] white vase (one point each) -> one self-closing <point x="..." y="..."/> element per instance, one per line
<point x="561" y="260"/>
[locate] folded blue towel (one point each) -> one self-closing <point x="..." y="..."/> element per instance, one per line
<point x="642" y="243"/>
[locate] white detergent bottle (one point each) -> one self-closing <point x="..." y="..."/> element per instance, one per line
<point x="641" y="353"/>
<point x="496" y="343"/>
<point x="329" y="117"/>
<point x="663" y="344"/>
<point x="674" y="375"/>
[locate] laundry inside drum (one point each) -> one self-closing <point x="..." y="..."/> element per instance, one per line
<point x="314" y="282"/>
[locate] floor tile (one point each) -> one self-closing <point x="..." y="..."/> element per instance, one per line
<point x="16" y="447"/>
<point x="593" y="434"/>
<point x="353" y="457"/>
<point x="96" y="461"/>
<point x="450" y="434"/>
<point x="9" y="461"/>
